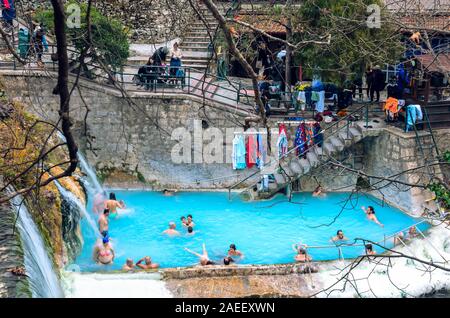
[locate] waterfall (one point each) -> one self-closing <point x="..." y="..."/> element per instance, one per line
<point x="92" y="184"/>
<point x="39" y="268"/>
<point x="74" y="201"/>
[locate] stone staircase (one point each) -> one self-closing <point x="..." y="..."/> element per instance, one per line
<point x="291" y="167"/>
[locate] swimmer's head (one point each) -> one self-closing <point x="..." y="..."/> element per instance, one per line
<point x="148" y="260"/>
<point x="189" y="217"/>
<point x="227" y="260"/>
<point x="112" y="196"/>
<point x="172" y="225"/>
<point x="183" y="219"/>
<point x="302" y="251"/>
<point x="129" y="262"/>
<point x="232" y="247"/>
<point x="340" y="234"/>
<point x="371" y="209"/>
<point x="369" y="247"/>
<point x="190" y="229"/>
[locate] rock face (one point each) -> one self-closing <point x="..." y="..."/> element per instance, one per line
<point x="11" y="256"/>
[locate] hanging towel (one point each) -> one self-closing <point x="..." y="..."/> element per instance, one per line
<point x="413" y="113"/>
<point x="252" y="149"/>
<point x="239" y="153"/>
<point x="300" y="139"/>
<point x="318" y="135"/>
<point x="320" y="103"/>
<point x="261" y="153"/>
<point x="6" y="4"/>
<point x="282" y="142"/>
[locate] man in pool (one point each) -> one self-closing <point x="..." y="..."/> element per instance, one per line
<point x="318" y="192"/>
<point x="302" y="255"/>
<point x="228" y="260"/>
<point x="129" y="265"/>
<point x="190" y="221"/>
<point x="112" y="204"/>
<point x="204" y="259"/>
<point x="233" y="251"/>
<point x="184" y="222"/>
<point x="339" y="237"/>
<point x="370" y="212"/>
<point x="190" y="231"/>
<point x="103" y="223"/>
<point x="171" y="231"/>
<point x="147" y="263"/>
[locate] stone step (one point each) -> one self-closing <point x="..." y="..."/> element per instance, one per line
<point x="295" y="166"/>
<point x="196" y="39"/>
<point x="306" y="166"/>
<point x="279" y="178"/>
<point x="328" y="148"/>
<point x="337" y="143"/>
<point x="354" y="132"/>
<point x="194" y="48"/>
<point x="204" y="44"/>
<point x="313" y="159"/>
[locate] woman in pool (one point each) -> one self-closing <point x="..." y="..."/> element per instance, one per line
<point x="112" y="204"/>
<point x="318" y="192"/>
<point x="204" y="259"/>
<point x="104" y="254"/>
<point x="190" y="221"/>
<point x="302" y="255"/>
<point x="370" y="212"/>
<point x="234" y="252"/>
<point x="370" y="250"/>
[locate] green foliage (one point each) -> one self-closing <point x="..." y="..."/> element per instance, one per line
<point x="446" y="156"/>
<point x="353" y="44"/>
<point x="442" y="194"/>
<point x="109" y="36"/>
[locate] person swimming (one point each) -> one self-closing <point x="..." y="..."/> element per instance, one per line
<point x="339" y="237"/>
<point x="167" y="192"/>
<point x="369" y="249"/>
<point x="147" y="263"/>
<point x="204" y="259"/>
<point x="412" y="232"/>
<point x="171" y="231"/>
<point x="370" y="212"/>
<point x="302" y="256"/>
<point x="112" y="204"/>
<point x="103" y="223"/>
<point x="190" y="230"/>
<point x="184" y="222"/>
<point x="190" y="221"/>
<point x="104" y="254"/>
<point x="232" y="251"/>
<point x="227" y="260"/>
<point x="318" y="191"/>
<point x="129" y="265"/>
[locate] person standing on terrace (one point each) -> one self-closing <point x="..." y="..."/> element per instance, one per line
<point x="175" y="59"/>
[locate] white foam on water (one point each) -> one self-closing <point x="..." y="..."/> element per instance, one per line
<point x="404" y="278"/>
<point x="133" y="285"/>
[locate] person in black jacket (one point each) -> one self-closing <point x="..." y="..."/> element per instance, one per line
<point x="378" y="83"/>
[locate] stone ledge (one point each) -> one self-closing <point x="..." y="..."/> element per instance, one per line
<point x="234" y="270"/>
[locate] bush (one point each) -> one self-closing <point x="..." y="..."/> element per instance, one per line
<point x="109" y="36"/>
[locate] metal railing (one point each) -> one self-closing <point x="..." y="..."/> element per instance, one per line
<point x="383" y="242"/>
<point x="331" y="130"/>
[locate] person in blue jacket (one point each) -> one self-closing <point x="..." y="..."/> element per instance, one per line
<point x="8" y="12"/>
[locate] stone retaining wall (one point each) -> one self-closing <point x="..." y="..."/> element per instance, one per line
<point x="130" y="140"/>
<point x="233" y="270"/>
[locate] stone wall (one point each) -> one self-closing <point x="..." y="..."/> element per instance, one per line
<point x="149" y="21"/>
<point x="130" y="140"/>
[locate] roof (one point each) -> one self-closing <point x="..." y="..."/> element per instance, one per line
<point x="440" y="64"/>
<point x="418" y="5"/>
<point x="263" y="22"/>
<point x="440" y="22"/>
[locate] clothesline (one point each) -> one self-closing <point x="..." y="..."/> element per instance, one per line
<point x="295" y="122"/>
<point x="250" y="132"/>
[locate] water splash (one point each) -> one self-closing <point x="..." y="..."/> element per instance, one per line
<point x="41" y="276"/>
<point x="92" y="185"/>
<point x="74" y="201"/>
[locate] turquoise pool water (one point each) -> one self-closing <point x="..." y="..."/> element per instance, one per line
<point x="263" y="231"/>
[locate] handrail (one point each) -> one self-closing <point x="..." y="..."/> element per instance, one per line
<point x="307" y="150"/>
<point x="361" y="245"/>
